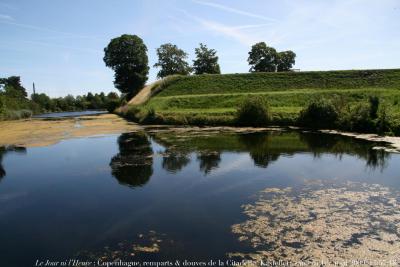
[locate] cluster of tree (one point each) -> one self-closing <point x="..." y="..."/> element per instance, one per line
<point x="263" y="58"/>
<point x="14" y="97"/>
<point x="71" y="103"/>
<point x="11" y="87"/>
<point x="127" y="56"/>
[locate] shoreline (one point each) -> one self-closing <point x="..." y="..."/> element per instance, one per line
<point x="44" y="132"/>
<point x="393" y="141"/>
<point x="38" y="132"/>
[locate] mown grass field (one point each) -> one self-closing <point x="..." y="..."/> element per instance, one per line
<point x="213" y="99"/>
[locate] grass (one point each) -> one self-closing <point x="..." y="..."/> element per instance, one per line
<point x="212" y="99"/>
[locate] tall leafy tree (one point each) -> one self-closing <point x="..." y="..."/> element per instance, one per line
<point x="285" y="60"/>
<point x="262" y="58"/>
<point x="13" y="87"/>
<point x="171" y="60"/>
<point x="127" y="56"/>
<point x="206" y="61"/>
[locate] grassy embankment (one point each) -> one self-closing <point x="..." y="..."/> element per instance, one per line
<point x="214" y="99"/>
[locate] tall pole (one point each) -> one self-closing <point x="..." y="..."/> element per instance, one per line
<point x="34" y="90"/>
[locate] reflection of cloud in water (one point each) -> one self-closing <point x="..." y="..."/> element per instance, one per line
<point x="323" y="221"/>
<point x="238" y="162"/>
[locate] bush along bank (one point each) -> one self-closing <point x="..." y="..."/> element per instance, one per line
<point x="370" y="116"/>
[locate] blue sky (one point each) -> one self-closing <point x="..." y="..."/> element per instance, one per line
<point x="58" y="44"/>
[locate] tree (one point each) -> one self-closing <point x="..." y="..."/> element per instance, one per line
<point x="127" y="56"/>
<point x="262" y="58"/>
<point x="13" y="88"/>
<point x="206" y="61"/>
<point x="112" y="96"/>
<point x="285" y="60"/>
<point x="42" y="100"/>
<point x="171" y="60"/>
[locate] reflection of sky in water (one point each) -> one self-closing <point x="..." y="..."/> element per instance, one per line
<point x="61" y="199"/>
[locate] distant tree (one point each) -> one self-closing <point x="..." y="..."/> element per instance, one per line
<point x="12" y="87"/>
<point x="42" y="100"/>
<point x="285" y="60"/>
<point x="262" y="58"/>
<point x="206" y="61"/>
<point x="89" y="97"/>
<point x="171" y="60"/>
<point x="112" y="96"/>
<point x="127" y="56"/>
<point x="81" y="103"/>
<point x="69" y="102"/>
<point x="2" y="105"/>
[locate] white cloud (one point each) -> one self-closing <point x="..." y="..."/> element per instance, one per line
<point x="6" y="17"/>
<point x="233" y="32"/>
<point x="234" y="10"/>
<point x="237" y="33"/>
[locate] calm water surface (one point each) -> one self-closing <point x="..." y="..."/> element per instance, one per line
<point x="167" y="195"/>
<point x="70" y="114"/>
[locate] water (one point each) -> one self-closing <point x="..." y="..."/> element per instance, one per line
<point x="163" y="195"/>
<point x="70" y="114"/>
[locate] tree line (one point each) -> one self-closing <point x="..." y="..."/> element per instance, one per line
<point x="14" y="101"/>
<point x="127" y="56"/>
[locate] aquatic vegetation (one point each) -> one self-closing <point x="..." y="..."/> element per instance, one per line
<point x="44" y="132"/>
<point x="140" y="245"/>
<point x="322" y="221"/>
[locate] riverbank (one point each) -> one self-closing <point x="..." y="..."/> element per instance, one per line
<point x="43" y="132"/>
<point x="213" y="100"/>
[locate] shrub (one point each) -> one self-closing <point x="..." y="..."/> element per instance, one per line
<point x="148" y="116"/>
<point x="373" y="107"/>
<point x="112" y="105"/>
<point x="383" y="121"/>
<point x="2" y="106"/>
<point x="360" y="119"/>
<point x="17" y="114"/>
<point x="254" y="111"/>
<point x="319" y="114"/>
<point x="132" y="114"/>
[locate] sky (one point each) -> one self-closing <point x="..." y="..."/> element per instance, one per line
<point x="58" y="44"/>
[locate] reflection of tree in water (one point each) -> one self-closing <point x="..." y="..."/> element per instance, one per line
<point x="132" y="166"/>
<point x="4" y="151"/>
<point x="208" y="160"/>
<point x="259" y="150"/>
<point x="174" y="161"/>
<point x="263" y="147"/>
<point x="2" y="171"/>
<point x="340" y="145"/>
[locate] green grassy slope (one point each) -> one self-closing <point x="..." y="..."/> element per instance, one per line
<point x="213" y="99"/>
